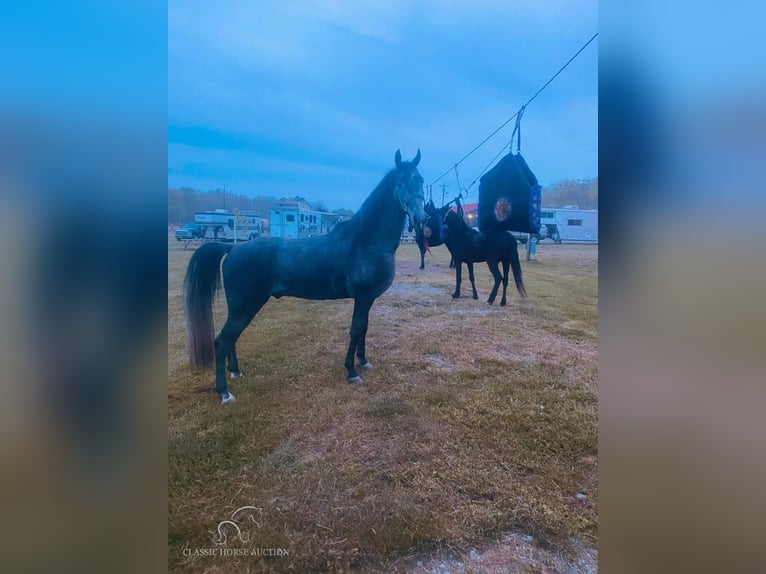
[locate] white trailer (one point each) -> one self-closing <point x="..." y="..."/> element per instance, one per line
<point x="569" y="223"/>
<point x="294" y="219"/>
<point x="222" y="225"/>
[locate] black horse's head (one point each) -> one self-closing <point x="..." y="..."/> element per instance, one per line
<point x="409" y="189"/>
<point x="454" y="221"/>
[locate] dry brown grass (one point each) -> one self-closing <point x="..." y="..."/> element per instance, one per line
<point x="477" y="420"/>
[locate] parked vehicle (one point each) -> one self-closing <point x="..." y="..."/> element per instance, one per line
<point x="190" y="231"/>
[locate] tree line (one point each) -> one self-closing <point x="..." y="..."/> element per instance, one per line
<point x="184" y="202"/>
<point x="580" y="192"/>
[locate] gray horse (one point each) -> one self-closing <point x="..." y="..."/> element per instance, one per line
<point x="355" y="260"/>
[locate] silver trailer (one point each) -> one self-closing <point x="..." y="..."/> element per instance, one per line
<point x="222" y="225"/>
<point x="294" y="219"/>
<point x="569" y="223"/>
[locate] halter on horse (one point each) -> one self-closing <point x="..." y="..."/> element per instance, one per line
<point x="433" y="233"/>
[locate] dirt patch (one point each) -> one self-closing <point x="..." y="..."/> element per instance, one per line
<point x="482" y="311"/>
<point x="439" y="362"/>
<point x="514" y="553"/>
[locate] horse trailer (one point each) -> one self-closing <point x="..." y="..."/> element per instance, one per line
<point x="569" y="223"/>
<point x="294" y="219"/>
<point x="222" y="225"/>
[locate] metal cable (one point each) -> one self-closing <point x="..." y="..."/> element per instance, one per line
<point x="505" y="123"/>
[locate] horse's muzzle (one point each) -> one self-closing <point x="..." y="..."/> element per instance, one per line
<point x="418" y="219"/>
<point x="416" y="223"/>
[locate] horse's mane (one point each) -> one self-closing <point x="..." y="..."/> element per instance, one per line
<point x="370" y="209"/>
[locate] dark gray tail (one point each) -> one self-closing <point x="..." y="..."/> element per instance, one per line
<point x="516" y="267"/>
<point x="203" y="279"/>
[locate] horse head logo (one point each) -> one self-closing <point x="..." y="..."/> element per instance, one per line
<point x="220" y="536"/>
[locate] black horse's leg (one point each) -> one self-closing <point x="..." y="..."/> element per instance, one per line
<point x="358" y="326"/>
<point x="238" y="319"/>
<point x="506" y="265"/>
<point x="458" y="278"/>
<point x="224" y="345"/>
<point x="473" y="283"/>
<point x="360" y="348"/>
<point x="422" y="248"/>
<point x="495" y="270"/>
<point x="233" y="364"/>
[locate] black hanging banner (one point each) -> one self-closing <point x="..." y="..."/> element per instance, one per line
<point x="510" y="197"/>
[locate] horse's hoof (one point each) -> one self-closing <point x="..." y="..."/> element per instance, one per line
<point x="355" y="380"/>
<point x="455" y="296"/>
<point x="368" y="365"/>
<point x="490" y="302"/>
<point x="502" y="303"/>
<point x="227" y="398"/>
<point x="475" y="296"/>
<point x="236" y="374"/>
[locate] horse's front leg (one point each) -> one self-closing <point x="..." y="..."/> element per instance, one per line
<point x="473" y="282"/>
<point x="363" y="362"/>
<point x="458" y="277"/>
<point x="356" y="338"/>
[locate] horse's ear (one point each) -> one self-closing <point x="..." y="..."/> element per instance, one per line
<point x="398" y="159"/>
<point x="416" y="161"/>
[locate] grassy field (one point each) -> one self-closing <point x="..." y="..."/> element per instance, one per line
<point x="477" y="421"/>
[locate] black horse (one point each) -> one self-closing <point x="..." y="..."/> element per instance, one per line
<point x="433" y="232"/>
<point x="354" y="260"/>
<point x="470" y="246"/>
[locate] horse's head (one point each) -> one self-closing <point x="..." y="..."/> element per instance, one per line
<point x="409" y="189"/>
<point x="454" y="221"/>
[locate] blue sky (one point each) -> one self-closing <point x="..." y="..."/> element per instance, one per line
<point x="313" y="97"/>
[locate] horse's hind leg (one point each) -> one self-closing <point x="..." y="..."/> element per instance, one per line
<point x="495" y="270"/>
<point x="238" y="319"/>
<point x="233" y="364"/>
<point x="506" y="265"/>
<point x="473" y="282"/>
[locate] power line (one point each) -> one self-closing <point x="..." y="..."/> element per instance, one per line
<point x="537" y="93"/>
<point x="489" y="165"/>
